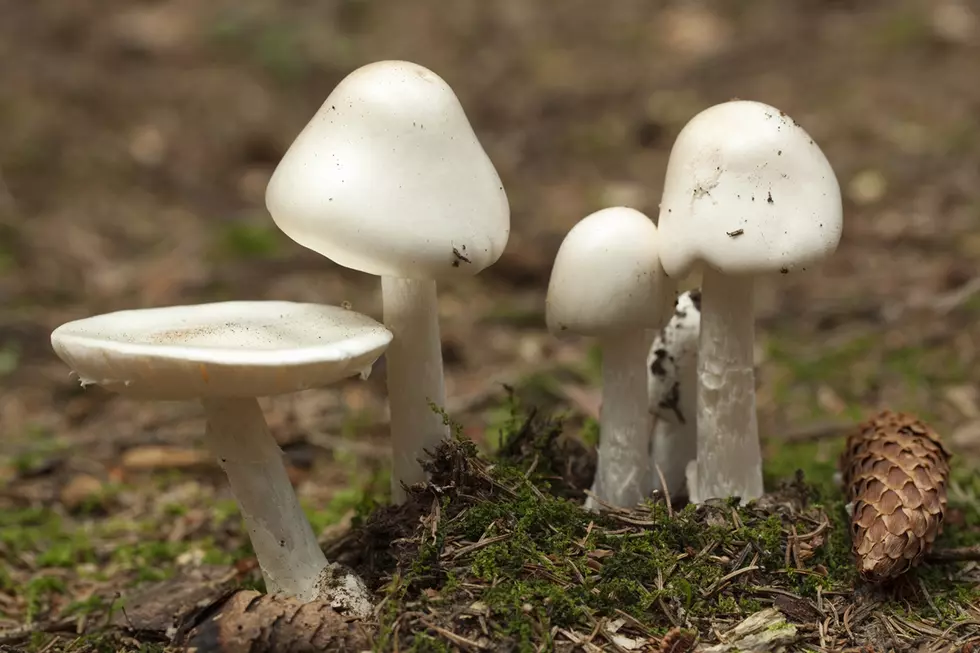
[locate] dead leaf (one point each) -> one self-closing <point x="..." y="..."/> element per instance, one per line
<point x="797" y="610"/>
<point x="830" y="401"/>
<point x="80" y="489"/>
<point x="766" y="631"/>
<point x="156" y="609"/>
<point x="966" y="436"/>
<point x="150" y="457"/>
<point x="260" y="623"/>
<point x="965" y="399"/>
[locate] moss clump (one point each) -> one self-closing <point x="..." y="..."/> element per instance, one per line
<point x="525" y="563"/>
<point x="500" y="552"/>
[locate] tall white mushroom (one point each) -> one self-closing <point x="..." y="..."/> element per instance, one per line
<point x="747" y="193"/>
<point x="389" y="178"/>
<point x="226" y="355"/>
<point x="672" y="383"/>
<point x="607" y="282"/>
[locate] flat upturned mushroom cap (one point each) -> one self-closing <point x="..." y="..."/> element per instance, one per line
<point x="389" y="178"/>
<point x="224" y="349"/>
<point x="607" y="276"/>
<point x="747" y="191"/>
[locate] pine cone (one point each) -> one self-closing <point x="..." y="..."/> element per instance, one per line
<point x="677" y="641"/>
<point x="895" y="472"/>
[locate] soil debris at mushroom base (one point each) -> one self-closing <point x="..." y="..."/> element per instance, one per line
<point x="486" y="557"/>
<point x="487" y="553"/>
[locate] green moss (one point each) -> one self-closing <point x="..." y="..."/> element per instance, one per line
<point x="524" y="610"/>
<point x="556" y="564"/>
<point x="99" y="642"/>
<point x="36" y="593"/>
<point x="67" y="553"/>
<point x="43" y="532"/>
<point x="91" y="605"/>
<point x="826" y="365"/>
<point x="590" y="432"/>
<point x="225" y="509"/>
<point x="42" y="449"/>
<point x="248" y="241"/>
<point x="9" y="352"/>
<point x="217" y="555"/>
<point x="425" y="643"/>
<point x="902" y="30"/>
<point x="151" y="553"/>
<point x="175" y="510"/>
<point x="508" y="312"/>
<point x="593" y="363"/>
<point x="362" y="497"/>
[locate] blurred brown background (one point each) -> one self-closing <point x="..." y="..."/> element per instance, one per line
<point x="137" y="138"/>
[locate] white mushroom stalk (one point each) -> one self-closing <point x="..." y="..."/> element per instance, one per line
<point x="747" y="194"/>
<point x="607" y="282"/>
<point x="226" y="355"/>
<point x="672" y="383"/>
<point x="415" y="375"/>
<point x="389" y="178"/>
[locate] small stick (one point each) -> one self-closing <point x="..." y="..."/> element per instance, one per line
<point x="957" y="554"/>
<point x="663" y="485"/>
<point x="458" y="640"/>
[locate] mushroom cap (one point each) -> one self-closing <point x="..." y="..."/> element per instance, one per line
<point x="607" y="276"/>
<point x="389" y="178"/>
<point x="223" y="349"/>
<point x="747" y="191"/>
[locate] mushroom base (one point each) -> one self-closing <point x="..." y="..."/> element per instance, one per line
<point x="729" y="460"/>
<point x="623" y="476"/>
<point x="413" y="364"/>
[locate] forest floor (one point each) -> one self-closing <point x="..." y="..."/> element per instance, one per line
<point x="137" y="141"/>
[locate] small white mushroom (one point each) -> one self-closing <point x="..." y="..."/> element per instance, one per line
<point x="747" y="193"/>
<point x="226" y="355"/>
<point x="672" y="383"/>
<point x="389" y="178"/>
<point x="607" y="282"/>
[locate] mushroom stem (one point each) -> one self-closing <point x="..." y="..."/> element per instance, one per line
<point x="674" y="446"/>
<point x="283" y="540"/>
<point x="729" y="461"/>
<point x="415" y="376"/>
<point x="623" y="475"/>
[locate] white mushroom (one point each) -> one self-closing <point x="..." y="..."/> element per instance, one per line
<point x="607" y="282"/>
<point x="226" y="355"/>
<point x="389" y="178"/>
<point x="747" y="193"/>
<point x="672" y="369"/>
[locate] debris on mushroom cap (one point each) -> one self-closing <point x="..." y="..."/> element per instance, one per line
<point x="607" y="275"/>
<point x="223" y="349"/>
<point x="389" y="178"/>
<point x="895" y="472"/>
<point x="672" y="362"/>
<point x="747" y="191"/>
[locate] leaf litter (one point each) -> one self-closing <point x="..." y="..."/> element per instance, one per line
<point x="497" y="553"/>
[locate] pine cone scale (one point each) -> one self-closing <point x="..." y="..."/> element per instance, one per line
<point x="895" y="471"/>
